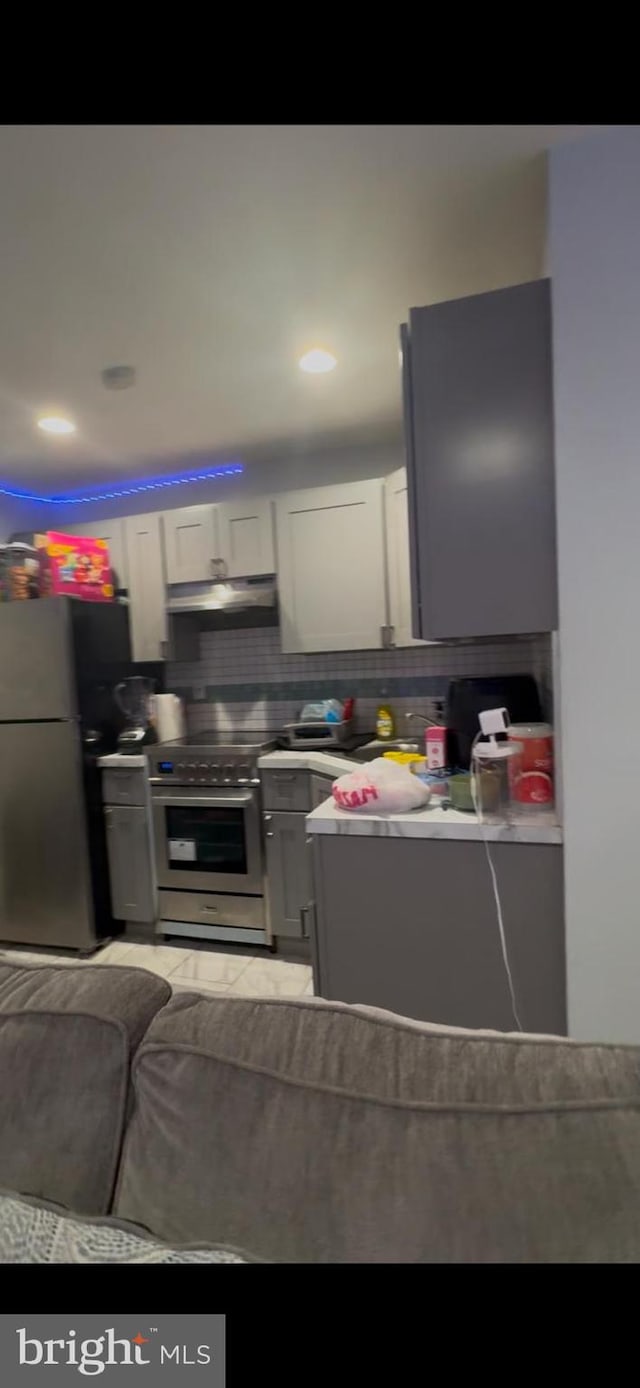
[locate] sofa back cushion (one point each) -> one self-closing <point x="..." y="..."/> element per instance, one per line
<point x="67" y="1035"/>
<point x="315" y="1132"/>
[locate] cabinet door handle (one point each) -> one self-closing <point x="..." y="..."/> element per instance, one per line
<point x="303" y="922"/>
<point x="269" y="834"/>
<point x="268" y="818"/>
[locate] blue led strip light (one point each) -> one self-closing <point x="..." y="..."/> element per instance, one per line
<point x="230" y="470"/>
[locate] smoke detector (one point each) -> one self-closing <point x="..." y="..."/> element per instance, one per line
<point x="118" y="377"/>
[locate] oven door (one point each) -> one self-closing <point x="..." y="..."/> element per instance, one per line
<point x="207" y="842"/>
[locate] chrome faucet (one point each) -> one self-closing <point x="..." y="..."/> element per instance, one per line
<point x="429" y="722"/>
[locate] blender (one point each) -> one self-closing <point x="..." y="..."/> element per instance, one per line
<point x="133" y="699"/>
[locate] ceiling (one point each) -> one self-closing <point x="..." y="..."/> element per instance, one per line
<point x="211" y="257"/>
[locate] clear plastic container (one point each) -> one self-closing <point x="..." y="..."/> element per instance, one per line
<point x="491" y="778"/>
<point x="21" y="571"/>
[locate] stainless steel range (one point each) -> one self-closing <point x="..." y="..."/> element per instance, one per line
<point x="205" y="793"/>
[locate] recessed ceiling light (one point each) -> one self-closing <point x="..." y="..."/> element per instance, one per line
<point x="56" y="424"/>
<point x="317" y="361"/>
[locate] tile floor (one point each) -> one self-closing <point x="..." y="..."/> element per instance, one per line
<point x="204" y="969"/>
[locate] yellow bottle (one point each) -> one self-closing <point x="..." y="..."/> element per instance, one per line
<point x="385" y="723"/>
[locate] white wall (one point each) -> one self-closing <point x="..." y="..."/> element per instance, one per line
<point x="595" y="266"/>
<point x="20" y="515"/>
<point x="283" y="468"/>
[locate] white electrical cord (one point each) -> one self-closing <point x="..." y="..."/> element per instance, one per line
<point x="496" y="893"/>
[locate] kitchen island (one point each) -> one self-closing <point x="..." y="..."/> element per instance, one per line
<point x="411" y="925"/>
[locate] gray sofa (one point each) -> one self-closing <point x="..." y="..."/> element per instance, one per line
<point x="309" y="1131"/>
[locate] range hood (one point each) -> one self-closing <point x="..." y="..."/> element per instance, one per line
<point x="226" y="595"/>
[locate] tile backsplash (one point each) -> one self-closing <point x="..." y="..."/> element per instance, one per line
<point x="243" y="681"/>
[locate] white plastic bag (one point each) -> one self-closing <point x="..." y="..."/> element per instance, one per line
<point x="380" y="787"/>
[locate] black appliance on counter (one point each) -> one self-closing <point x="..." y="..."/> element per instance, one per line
<point x="59" y="661"/>
<point x="467" y="698"/>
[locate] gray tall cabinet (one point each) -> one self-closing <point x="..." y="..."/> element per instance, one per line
<point x="478" y="416"/>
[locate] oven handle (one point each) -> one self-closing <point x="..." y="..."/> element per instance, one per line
<point x="226" y="802"/>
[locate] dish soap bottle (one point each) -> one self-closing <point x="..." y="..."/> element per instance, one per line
<point x="385" y="723"/>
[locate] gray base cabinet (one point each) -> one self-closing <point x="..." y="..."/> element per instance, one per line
<point x="132" y="889"/>
<point x="289" y="873"/>
<point x="410" y="925"/>
<point x="288" y="796"/>
<point x="127" y="814"/>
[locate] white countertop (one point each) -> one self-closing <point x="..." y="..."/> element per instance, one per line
<point x="431" y="823"/>
<point x="327" y="763"/>
<point x="123" y="761"/>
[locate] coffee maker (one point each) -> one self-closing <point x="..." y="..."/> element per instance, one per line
<point x="133" y="697"/>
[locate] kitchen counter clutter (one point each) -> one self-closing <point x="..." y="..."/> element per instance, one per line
<point x="432" y="823"/>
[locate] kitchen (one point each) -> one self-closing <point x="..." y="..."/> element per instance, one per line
<point x="354" y="563"/>
<point x="232" y="608"/>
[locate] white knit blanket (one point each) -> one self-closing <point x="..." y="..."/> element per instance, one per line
<point x="32" y="1233"/>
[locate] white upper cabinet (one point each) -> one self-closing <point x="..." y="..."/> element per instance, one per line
<point x="147" y="593"/>
<point x="398" y="560"/>
<point x="246" y="537"/>
<point x="230" y="540"/>
<point x="192" y="539"/>
<point x="331" y="569"/>
<point x="113" y="532"/>
<point x="341" y="554"/>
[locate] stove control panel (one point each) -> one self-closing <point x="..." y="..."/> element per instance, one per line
<point x="205" y="771"/>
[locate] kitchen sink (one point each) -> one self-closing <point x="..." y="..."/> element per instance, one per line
<point x="370" y="750"/>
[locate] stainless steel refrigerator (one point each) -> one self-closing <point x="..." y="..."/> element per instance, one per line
<point x="59" y="661"/>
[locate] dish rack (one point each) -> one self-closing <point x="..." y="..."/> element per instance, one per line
<point x="320" y="734"/>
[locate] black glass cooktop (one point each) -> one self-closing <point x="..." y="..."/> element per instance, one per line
<point x="230" y="739"/>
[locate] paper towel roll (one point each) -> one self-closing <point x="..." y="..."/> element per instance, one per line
<point x="169" y="717"/>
